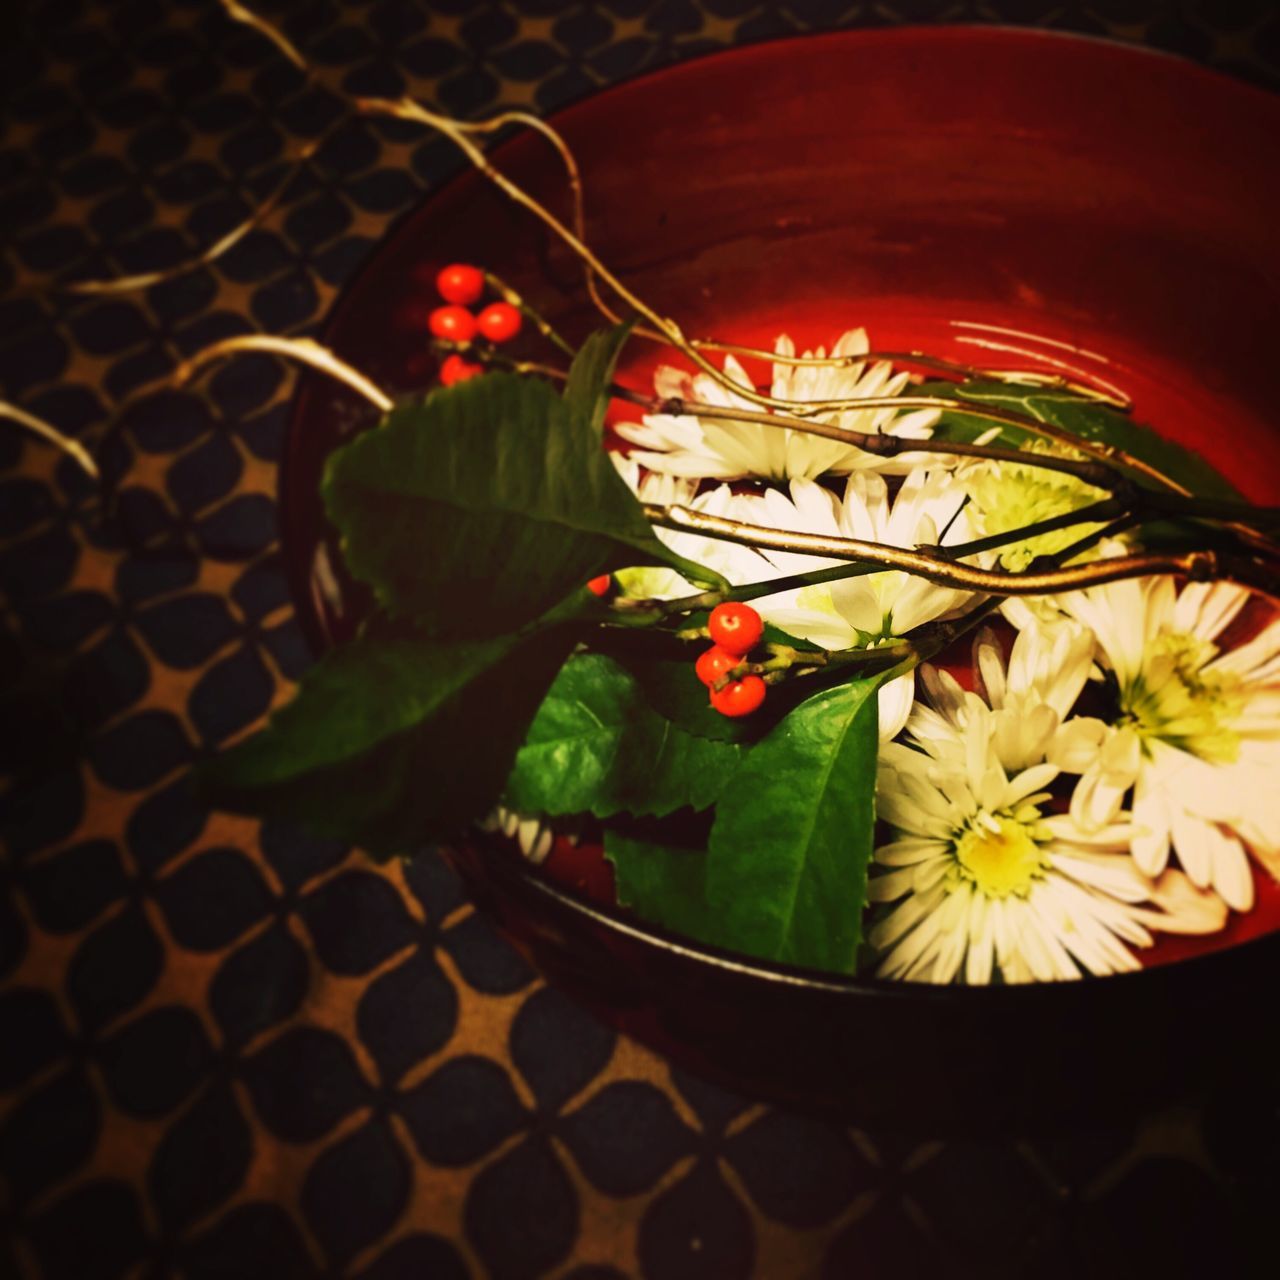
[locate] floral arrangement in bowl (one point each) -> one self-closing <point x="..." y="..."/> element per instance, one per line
<point x="864" y="661"/>
<point x="967" y="679"/>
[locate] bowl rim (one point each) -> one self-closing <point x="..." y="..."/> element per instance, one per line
<point x="1261" y="952"/>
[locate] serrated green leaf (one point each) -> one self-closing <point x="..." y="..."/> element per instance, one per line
<point x="663" y="883"/>
<point x="591" y="373"/>
<point x="788" y="854"/>
<point x="391" y="742"/>
<point x="476" y="510"/>
<point x="595" y="746"/>
<point x="1083" y="418"/>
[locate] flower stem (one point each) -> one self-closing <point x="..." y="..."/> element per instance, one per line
<point x="1105" y="510"/>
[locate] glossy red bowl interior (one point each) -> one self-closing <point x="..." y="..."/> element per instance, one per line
<point x="953" y="190"/>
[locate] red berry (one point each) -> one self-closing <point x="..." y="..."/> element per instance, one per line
<point x="456" y="369"/>
<point x="499" y="321"/>
<point x="582" y="868"/>
<point x="740" y="698"/>
<point x="715" y="663"/>
<point x="602" y="585"/>
<point x="460" y="283"/>
<point x="735" y="627"/>
<point x="457" y="324"/>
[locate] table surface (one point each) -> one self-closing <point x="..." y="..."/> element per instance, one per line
<point x="228" y="1050"/>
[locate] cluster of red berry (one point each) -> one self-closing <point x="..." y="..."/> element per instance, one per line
<point x="736" y="629"/>
<point x="461" y="286"/>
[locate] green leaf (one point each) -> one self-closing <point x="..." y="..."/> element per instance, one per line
<point x="595" y="746"/>
<point x="788" y="854"/>
<point x="1083" y="418"/>
<point x="391" y="742"/>
<point x="663" y="883"/>
<point x="591" y="373"/>
<point x="477" y="509"/>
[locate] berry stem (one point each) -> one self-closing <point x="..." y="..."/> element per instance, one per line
<point x="543" y="326"/>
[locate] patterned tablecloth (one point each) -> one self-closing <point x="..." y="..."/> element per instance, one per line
<point x="229" y="1050"/>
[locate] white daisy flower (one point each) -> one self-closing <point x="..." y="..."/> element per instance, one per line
<point x="653" y="582"/>
<point x="1195" y="733"/>
<point x="875" y="608"/>
<point x="1005" y="497"/>
<point x="984" y="876"/>
<point x="722" y="449"/>
<point x="534" y="836"/>
<point x="851" y="613"/>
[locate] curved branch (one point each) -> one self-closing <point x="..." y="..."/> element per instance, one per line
<point x="303" y="350"/>
<point x="38" y="426"/>
<point x="1199" y="566"/>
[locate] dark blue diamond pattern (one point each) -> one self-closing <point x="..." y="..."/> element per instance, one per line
<point x="261" y="589"/>
<point x="147" y="576"/>
<point x="245" y="385"/>
<point x="202" y="1158"/>
<point x="557" y="1047"/>
<point x="186" y="631"/>
<point x="107" y="679"/>
<point x="212" y="899"/>
<point x="463" y="1111"/>
<point x="304" y="1082"/>
<point x="37" y="566"/>
<point x="114" y="968"/>
<point x="154" y="1063"/>
<point x="259" y="984"/>
<point x="239" y="529"/>
<point x="407" y="1014"/>
<point x="884" y="1240"/>
<point x="288" y="648"/>
<point x="297" y="856"/>
<point x="72" y="887"/>
<point x="484" y="958"/>
<point x="521" y="1213"/>
<point x="43" y="812"/>
<point x="164" y="824"/>
<point x="355" y="1190"/>
<point x="626" y="1137"/>
<point x="434" y="883"/>
<point x="252" y="1240"/>
<point x="696" y="1228"/>
<point x="49" y="1133"/>
<point x="32" y="1032"/>
<point x="356" y="921"/>
<point x="24" y="504"/>
<point x="206" y="474"/>
<point x="969" y="1187"/>
<point x="97" y="1230"/>
<point x="67" y="620"/>
<point x="140" y="750"/>
<point x="798" y="1171"/>
<point x="231" y="695"/>
<point x="417" y="1257"/>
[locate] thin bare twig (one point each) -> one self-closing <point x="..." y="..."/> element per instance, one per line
<point x="301" y="349"/>
<point x="1196" y="565"/>
<point x="38" y="426"/>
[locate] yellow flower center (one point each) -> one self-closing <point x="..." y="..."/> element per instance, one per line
<point x="1176" y="700"/>
<point x="1006" y="498"/>
<point x="999" y="856"/>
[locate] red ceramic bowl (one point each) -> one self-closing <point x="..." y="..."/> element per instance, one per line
<point x="954" y="190"/>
